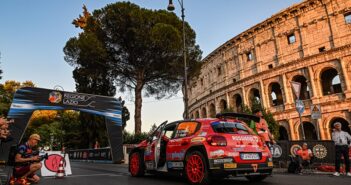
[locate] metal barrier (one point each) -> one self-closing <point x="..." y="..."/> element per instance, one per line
<point x="323" y="151"/>
<point x="91" y="154"/>
<point x="101" y="154"/>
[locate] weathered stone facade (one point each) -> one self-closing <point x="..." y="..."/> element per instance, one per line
<point x="310" y="43"/>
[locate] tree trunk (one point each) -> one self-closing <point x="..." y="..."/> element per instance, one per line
<point x="138" y="105"/>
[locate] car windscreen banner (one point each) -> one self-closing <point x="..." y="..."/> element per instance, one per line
<point x="27" y="100"/>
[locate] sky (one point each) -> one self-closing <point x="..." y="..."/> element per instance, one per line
<point x="33" y="34"/>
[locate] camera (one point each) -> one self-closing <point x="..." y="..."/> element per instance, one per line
<point x="41" y="157"/>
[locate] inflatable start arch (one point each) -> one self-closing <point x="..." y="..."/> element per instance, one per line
<point x="27" y="100"/>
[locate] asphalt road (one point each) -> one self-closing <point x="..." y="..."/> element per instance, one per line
<point x="110" y="174"/>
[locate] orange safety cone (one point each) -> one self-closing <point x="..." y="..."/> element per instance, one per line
<point x="61" y="170"/>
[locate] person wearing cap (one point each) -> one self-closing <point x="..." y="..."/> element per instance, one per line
<point x="27" y="160"/>
<point x="341" y="140"/>
<point x="304" y="156"/>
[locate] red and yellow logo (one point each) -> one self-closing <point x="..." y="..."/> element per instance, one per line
<point x="55" y="97"/>
<point x="53" y="161"/>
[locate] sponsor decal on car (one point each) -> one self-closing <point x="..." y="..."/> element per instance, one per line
<point x="176" y="155"/>
<point x="238" y="149"/>
<point x="221" y="161"/>
<point x="148" y="151"/>
<point x="234" y="154"/>
<point x="198" y="139"/>
<point x="202" y="134"/>
<point x="175" y="165"/>
<point x="254" y="167"/>
<point x="217" y="153"/>
<point x="245" y="138"/>
<point x="230" y="165"/>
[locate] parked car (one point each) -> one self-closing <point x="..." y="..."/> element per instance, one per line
<point x="204" y="149"/>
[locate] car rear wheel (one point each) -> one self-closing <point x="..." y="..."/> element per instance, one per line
<point x="196" y="168"/>
<point x="136" y="164"/>
<point x="256" y="178"/>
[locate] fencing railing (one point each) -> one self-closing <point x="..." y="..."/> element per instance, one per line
<point x="323" y="151"/>
<point x="100" y="154"/>
<point x="91" y="154"/>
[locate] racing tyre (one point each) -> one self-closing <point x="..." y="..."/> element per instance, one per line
<point x="196" y="169"/>
<point x="256" y="178"/>
<point x="136" y="164"/>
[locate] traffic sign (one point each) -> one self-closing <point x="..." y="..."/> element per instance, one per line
<point x="316" y="111"/>
<point x="297" y="88"/>
<point x="300" y="107"/>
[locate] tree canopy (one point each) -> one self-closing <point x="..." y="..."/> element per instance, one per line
<point x="7" y="90"/>
<point x="134" y="49"/>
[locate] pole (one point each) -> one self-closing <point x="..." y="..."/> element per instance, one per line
<point x="171" y="8"/>
<point x="317" y="127"/>
<point x="185" y="63"/>
<point x="303" y="131"/>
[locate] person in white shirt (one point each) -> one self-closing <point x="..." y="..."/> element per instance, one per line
<point x="341" y="140"/>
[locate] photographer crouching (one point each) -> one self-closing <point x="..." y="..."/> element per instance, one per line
<point x="27" y="161"/>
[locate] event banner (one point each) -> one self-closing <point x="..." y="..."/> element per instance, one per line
<point x="50" y="166"/>
<point x="27" y="100"/>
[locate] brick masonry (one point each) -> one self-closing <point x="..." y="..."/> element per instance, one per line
<point x="264" y="59"/>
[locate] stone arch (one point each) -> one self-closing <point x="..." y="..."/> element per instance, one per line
<point x="305" y="89"/>
<point x="223" y="105"/>
<point x="237" y="103"/>
<point x="192" y="115"/>
<point x="330" y="81"/>
<point x="283" y="133"/>
<point x="254" y="95"/>
<point x="212" y="111"/>
<point x="309" y="129"/>
<point x="203" y="112"/>
<point x="326" y="119"/>
<point x="276" y="95"/>
<point x="345" y="125"/>
<point x="197" y="114"/>
<point x="286" y="135"/>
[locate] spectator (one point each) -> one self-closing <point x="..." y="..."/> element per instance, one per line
<point x="97" y="144"/>
<point x="4" y="131"/>
<point x="304" y="157"/>
<point x="341" y="140"/>
<point x="263" y="130"/>
<point x="28" y="161"/>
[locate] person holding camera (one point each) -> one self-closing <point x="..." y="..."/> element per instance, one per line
<point x="27" y="161"/>
<point x="341" y="140"/>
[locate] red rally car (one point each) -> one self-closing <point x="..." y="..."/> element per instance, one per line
<point x="204" y="149"/>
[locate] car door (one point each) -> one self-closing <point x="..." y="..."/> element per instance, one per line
<point x="180" y="142"/>
<point x="152" y="151"/>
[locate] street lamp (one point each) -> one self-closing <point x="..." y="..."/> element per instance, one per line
<point x="171" y="8"/>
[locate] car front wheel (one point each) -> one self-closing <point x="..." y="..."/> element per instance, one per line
<point x="136" y="166"/>
<point x="196" y="168"/>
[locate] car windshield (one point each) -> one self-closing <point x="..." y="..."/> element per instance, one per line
<point x="229" y="127"/>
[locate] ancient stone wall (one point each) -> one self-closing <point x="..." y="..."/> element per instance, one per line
<point x="309" y="42"/>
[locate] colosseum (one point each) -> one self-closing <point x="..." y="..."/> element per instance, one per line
<point x="309" y="43"/>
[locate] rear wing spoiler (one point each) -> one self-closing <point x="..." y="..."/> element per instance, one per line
<point x="238" y="116"/>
